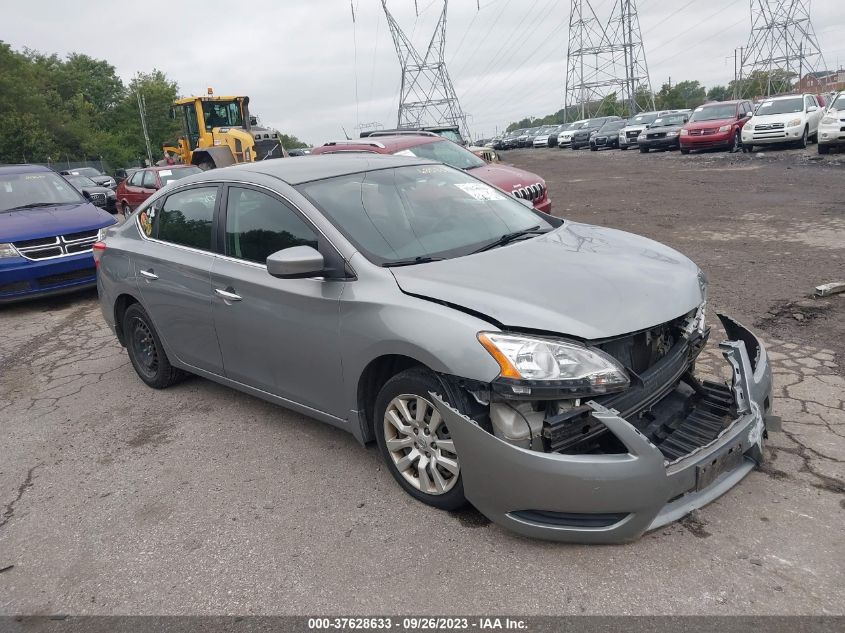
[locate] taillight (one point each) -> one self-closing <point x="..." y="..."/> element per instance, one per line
<point x="98" y="249"/>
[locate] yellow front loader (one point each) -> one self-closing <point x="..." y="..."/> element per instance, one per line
<point x="218" y="131"/>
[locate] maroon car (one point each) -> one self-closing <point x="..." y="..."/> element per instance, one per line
<point x="145" y="182"/>
<point x="716" y="125"/>
<point x="517" y="182"/>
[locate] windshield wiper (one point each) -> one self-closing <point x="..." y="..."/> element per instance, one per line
<point x="411" y="262"/>
<point x="32" y="205"/>
<point x="507" y="238"/>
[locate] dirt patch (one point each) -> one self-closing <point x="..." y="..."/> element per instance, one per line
<point x="817" y="321"/>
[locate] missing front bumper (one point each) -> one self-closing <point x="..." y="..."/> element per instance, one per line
<point x="609" y="498"/>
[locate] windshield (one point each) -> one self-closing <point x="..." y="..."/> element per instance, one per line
<point x="169" y="175"/>
<point x="839" y="102"/>
<point x="781" y="106"/>
<point x="612" y="126"/>
<point x="222" y="114"/>
<point x="670" y="119"/>
<point x="418" y="211"/>
<point x="713" y="113"/>
<point x="84" y="171"/>
<point x="445" y="152"/>
<point x="451" y="135"/>
<point x="18" y="190"/>
<point x="81" y="181"/>
<point x="643" y="119"/>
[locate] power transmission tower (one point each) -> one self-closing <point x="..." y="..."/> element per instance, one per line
<point x="606" y="59"/>
<point x="427" y="96"/>
<point x="782" y="46"/>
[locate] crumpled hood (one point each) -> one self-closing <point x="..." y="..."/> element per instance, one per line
<point x="580" y="280"/>
<point x="29" y="224"/>
<point x="506" y="177"/>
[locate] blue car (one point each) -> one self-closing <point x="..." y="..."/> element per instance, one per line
<point x="47" y="233"/>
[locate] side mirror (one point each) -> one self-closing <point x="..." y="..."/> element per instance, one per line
<point x="296" y="262"/>
<point x="812" y="109"/>
<point x="747" y="114"/>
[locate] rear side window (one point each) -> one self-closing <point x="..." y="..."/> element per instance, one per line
<point x="149" y="180"/>
<point x="258" y="225"/>
<point x="186" y="218"/>
<point x="136" y="179"/>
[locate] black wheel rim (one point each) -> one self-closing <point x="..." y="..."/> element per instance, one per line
<point x="144" y="350"/>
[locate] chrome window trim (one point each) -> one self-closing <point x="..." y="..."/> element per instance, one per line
<point x="197" y="185"/>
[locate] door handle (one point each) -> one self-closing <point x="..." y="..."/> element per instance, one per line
<point x="228" y="296"/>
<point x="149" y="274"/>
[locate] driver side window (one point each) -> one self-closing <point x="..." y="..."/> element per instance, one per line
<point x="149" y="180"/>
<point x="258" y="225"/>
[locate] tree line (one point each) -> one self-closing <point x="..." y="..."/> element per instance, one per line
<point x="76" y="108"/>
<point x="682" y="95"/>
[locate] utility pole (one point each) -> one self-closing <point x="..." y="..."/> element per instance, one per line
<point x="606" y="58"/>
<point x="782" y="40"/>
<point x="142" y="111"/>
<point x="426" y="96"/>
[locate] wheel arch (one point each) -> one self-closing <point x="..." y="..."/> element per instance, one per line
<point x="121" y="304"/>
<point x="375" y="374"/>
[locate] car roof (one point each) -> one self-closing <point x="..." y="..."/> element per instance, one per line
<point x="312" y="167"/>
<point x="22" y="169"/>
<point x="382" y="144"/>
<point x="160" y="167"/>
<point x="714" y="104"/>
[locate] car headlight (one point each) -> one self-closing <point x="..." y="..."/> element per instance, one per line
<point x="749" y="127"/>
<point x="533" y="363"/>
<point x="794" y="123"/>
<point x="641" y="137"/>
<point x="111" y="194"/>
<point x="684" y="132"/>
<point x="8" y="250"/>
<point x="828" y="120"/>
<point x="725" y="128"/>
<point x="101" y="235"/>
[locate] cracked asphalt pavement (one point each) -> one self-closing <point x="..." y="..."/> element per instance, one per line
<point x="117" y="499"/>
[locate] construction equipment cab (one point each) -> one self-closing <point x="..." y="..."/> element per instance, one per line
<point x="218" y="131"/>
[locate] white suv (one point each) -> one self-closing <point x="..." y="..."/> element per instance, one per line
<point x="832" y="125"/>
<point x="786" y="119"/>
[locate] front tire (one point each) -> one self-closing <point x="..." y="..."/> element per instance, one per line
<point x="737" y="144"/>
<point x="414" y="441"/>
<point x="146" y="353"/>
<point x="684" y="151"/>
<point x="747" y="149"/>
<point x="643" y="150"/>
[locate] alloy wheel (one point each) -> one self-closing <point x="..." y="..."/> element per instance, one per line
<point x="419" y="444"/>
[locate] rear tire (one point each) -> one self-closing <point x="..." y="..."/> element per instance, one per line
<point x="146" y="353"/>
<point x="802" y="144"/>
<point x="206" y="165"/>
<point x="414" y="441"/>
<point x="125" y="210"/>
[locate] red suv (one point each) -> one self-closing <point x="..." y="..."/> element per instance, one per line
<point x="145" y="182"/>
<point x="519" y="183"/>
<point x="716" y="126"/>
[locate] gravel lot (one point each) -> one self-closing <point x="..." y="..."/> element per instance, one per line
<point x="117" y="499"/>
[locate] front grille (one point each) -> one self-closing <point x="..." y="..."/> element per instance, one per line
<point x="704" y="132"/>
<point x="657" y="135"/>
<point x="601" y="140"/>
<point x="57" y="246"/>
<point x="760" y="127"/>
<point x="531" y="192"/>
<point x="632" y="133"/>
<point x="99" y="199"/>
<point x="569" y="519"/>
<point x="63" y="278"/>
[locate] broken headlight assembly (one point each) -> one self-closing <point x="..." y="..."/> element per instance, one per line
<point x="542" y="368"/>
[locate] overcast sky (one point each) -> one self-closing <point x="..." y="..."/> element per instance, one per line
<point x="303" y="61"/>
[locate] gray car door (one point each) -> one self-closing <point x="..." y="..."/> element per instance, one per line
<point x="174" y="274"/>
<point x="277" y="335"/>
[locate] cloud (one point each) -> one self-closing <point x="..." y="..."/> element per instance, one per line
<point x="300" y="61"/>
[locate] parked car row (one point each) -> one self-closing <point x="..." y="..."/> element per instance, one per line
<point x="732" y="125"/>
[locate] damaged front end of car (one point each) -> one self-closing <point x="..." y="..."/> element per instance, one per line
<point x="613" y="438"/>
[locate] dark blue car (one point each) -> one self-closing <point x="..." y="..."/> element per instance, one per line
<point x="47" y="232"/>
